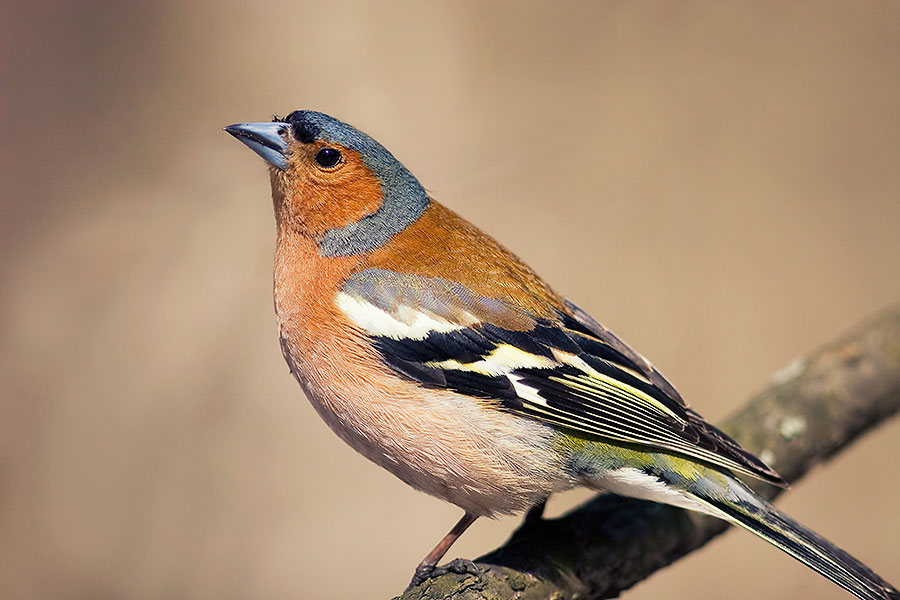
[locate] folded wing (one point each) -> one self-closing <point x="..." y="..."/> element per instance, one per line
<point x="570" y="372"/>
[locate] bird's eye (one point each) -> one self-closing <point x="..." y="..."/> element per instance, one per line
<point x="328" y="157"/>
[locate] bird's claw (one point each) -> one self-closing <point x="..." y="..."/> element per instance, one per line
<point x="460" y="566"/>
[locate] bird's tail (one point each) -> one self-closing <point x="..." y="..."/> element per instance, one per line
<point x="745" y="508"/>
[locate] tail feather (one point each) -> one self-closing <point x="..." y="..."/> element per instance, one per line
<point x="713" y="491"/>
<point x="808" y="547"/>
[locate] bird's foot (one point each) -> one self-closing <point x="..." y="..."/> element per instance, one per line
<point x="460" y="566"/>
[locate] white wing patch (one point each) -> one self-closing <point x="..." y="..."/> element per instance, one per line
<point x="525" y="391"/>
<point x="405" y="322"/>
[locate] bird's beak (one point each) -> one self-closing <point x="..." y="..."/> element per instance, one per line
<point x="265" y="139"/>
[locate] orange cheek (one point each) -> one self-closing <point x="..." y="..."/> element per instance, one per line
<point x="316" y="202"/>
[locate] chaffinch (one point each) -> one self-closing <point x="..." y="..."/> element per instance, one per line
<point x="439" y="355"/>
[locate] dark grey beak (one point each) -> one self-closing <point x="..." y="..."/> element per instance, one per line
<point x="266" y="139"/>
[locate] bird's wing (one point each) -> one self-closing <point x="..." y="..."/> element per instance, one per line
<point x="571" y="372"/>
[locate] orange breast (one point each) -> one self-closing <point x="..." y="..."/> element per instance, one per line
<point x="438" y="441"/>
<point x="305" y="285"/>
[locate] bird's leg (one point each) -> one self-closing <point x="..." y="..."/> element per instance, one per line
<point x="428" y="567"/>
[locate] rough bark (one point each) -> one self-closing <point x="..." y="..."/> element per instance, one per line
<point x="811" y="409"/>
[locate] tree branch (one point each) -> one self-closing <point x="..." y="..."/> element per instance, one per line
<point x="812" y="409"/>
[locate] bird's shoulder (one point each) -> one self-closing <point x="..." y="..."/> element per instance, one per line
<point x="442" y="245"/>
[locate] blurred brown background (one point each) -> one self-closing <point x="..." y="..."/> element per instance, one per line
<point x="718" y="182"/>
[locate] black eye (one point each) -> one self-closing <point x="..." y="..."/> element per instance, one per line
<point x="328" y="157"/>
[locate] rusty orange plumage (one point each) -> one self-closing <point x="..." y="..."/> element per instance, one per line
<point x="439" y="355"/>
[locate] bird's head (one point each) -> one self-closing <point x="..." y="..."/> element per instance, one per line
<point x="334" y="183"/>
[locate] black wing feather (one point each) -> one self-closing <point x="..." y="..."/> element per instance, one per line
<point x="626" y="399"/>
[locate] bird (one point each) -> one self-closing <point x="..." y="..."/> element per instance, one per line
<point x="438" y="354"/>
